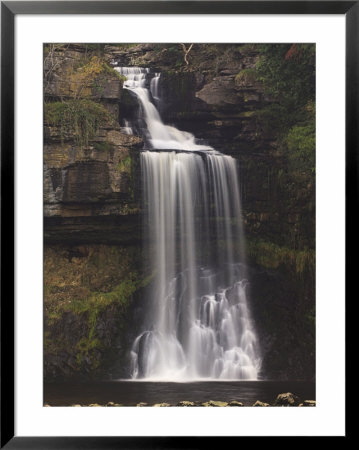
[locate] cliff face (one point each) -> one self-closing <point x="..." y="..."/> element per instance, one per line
<point x="92" y="259"/>
<point x="92" y="207"/>
<point x="92" y="177"/>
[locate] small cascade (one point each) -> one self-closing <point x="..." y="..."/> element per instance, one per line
<point x="127" y="129"/>
<point x="154" y="87"/>
<point x="198" y="324"/>
<point x="158" y="135"/>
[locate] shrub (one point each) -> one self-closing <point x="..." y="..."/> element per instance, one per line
<point x="301" y="147"/>
<point x="245" y="76"/>
<point x="80" y="118"/>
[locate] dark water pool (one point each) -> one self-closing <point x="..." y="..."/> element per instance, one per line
<point x="129" y="393"/>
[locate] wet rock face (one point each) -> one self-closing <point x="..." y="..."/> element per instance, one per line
<point x="218" y="109"/>
<point x="94" y="181"/>
<point x="86" y="181"/>
<point x="99" y="178"/>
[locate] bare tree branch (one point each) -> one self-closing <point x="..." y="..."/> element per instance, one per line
<point x="186" y="51"/>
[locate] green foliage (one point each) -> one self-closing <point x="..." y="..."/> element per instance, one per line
<point x="80" y="118"/>
<point x="103" y="146"/>
<point x="288" y="73"/>
<point x="87" y="347"/>
<point x="88" y="79"/>
<point x="301" y="147"/>
<point x="125" y="165"/>
<point x="271" y="256"/>
<point x="106" y="68"/>
<point x="288" y="76"/>
<point x="273" y="119"/>
<point x="90" y="310"/>
<point x="246" y="76"/>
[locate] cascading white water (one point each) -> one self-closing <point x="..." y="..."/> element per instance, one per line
<point x="160" y="136"/>
<point x="154" y="86"/>
<point x="127" y="129"/>
<point x="198" y="323"/>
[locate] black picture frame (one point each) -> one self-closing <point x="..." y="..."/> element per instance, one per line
<point x="9" y="9"/>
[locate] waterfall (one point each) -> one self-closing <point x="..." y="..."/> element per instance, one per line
<point x="198" y="324"/>
<point x="154" y="87"/>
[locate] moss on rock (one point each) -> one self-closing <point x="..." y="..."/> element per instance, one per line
<point x="270" y="256"/>
<point x="87" y="292"/>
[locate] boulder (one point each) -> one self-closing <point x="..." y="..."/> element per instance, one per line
<point x="186" y="403"/>
<point x="162" y="404"/>
<point x="219" y="92"/>
<point x="214" y="403"/>
<point x="308" y="403"/>
<point x="235" y="403"/>
<point x="287" y="399"/>
<point x="142" y="404"/>
<point x="258" y="403"/>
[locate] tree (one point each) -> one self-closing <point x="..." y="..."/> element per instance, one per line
<point x="186" y="51"/>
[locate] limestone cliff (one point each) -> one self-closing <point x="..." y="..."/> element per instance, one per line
<point x="90" y="198"/>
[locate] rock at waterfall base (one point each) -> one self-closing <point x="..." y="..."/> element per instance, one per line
<point x="258" y="403"/>
<point x="308" y="403"/>
<point x="287" y="399"/>
<point x="235" y="403"/>
<point x="186" y="403"/>
<point x="214" y="403"/>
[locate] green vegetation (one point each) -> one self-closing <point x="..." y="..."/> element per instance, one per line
<point x="97" y="301"/>
<point x="95" y="305"/>
<point x="103" y="146"/>
<point x="98" y="283"/>
<point x="88" y="79"/>
<point x="125" y="165"/>
<point x="80" y="118"/>
<point x="271" y="256"/>
<point x="247" y="76"/>
<point x="301" y="147"/>
<point x="288" y="76"/>
<point x="81" y="86"/>
<point x="287" y="118"/>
